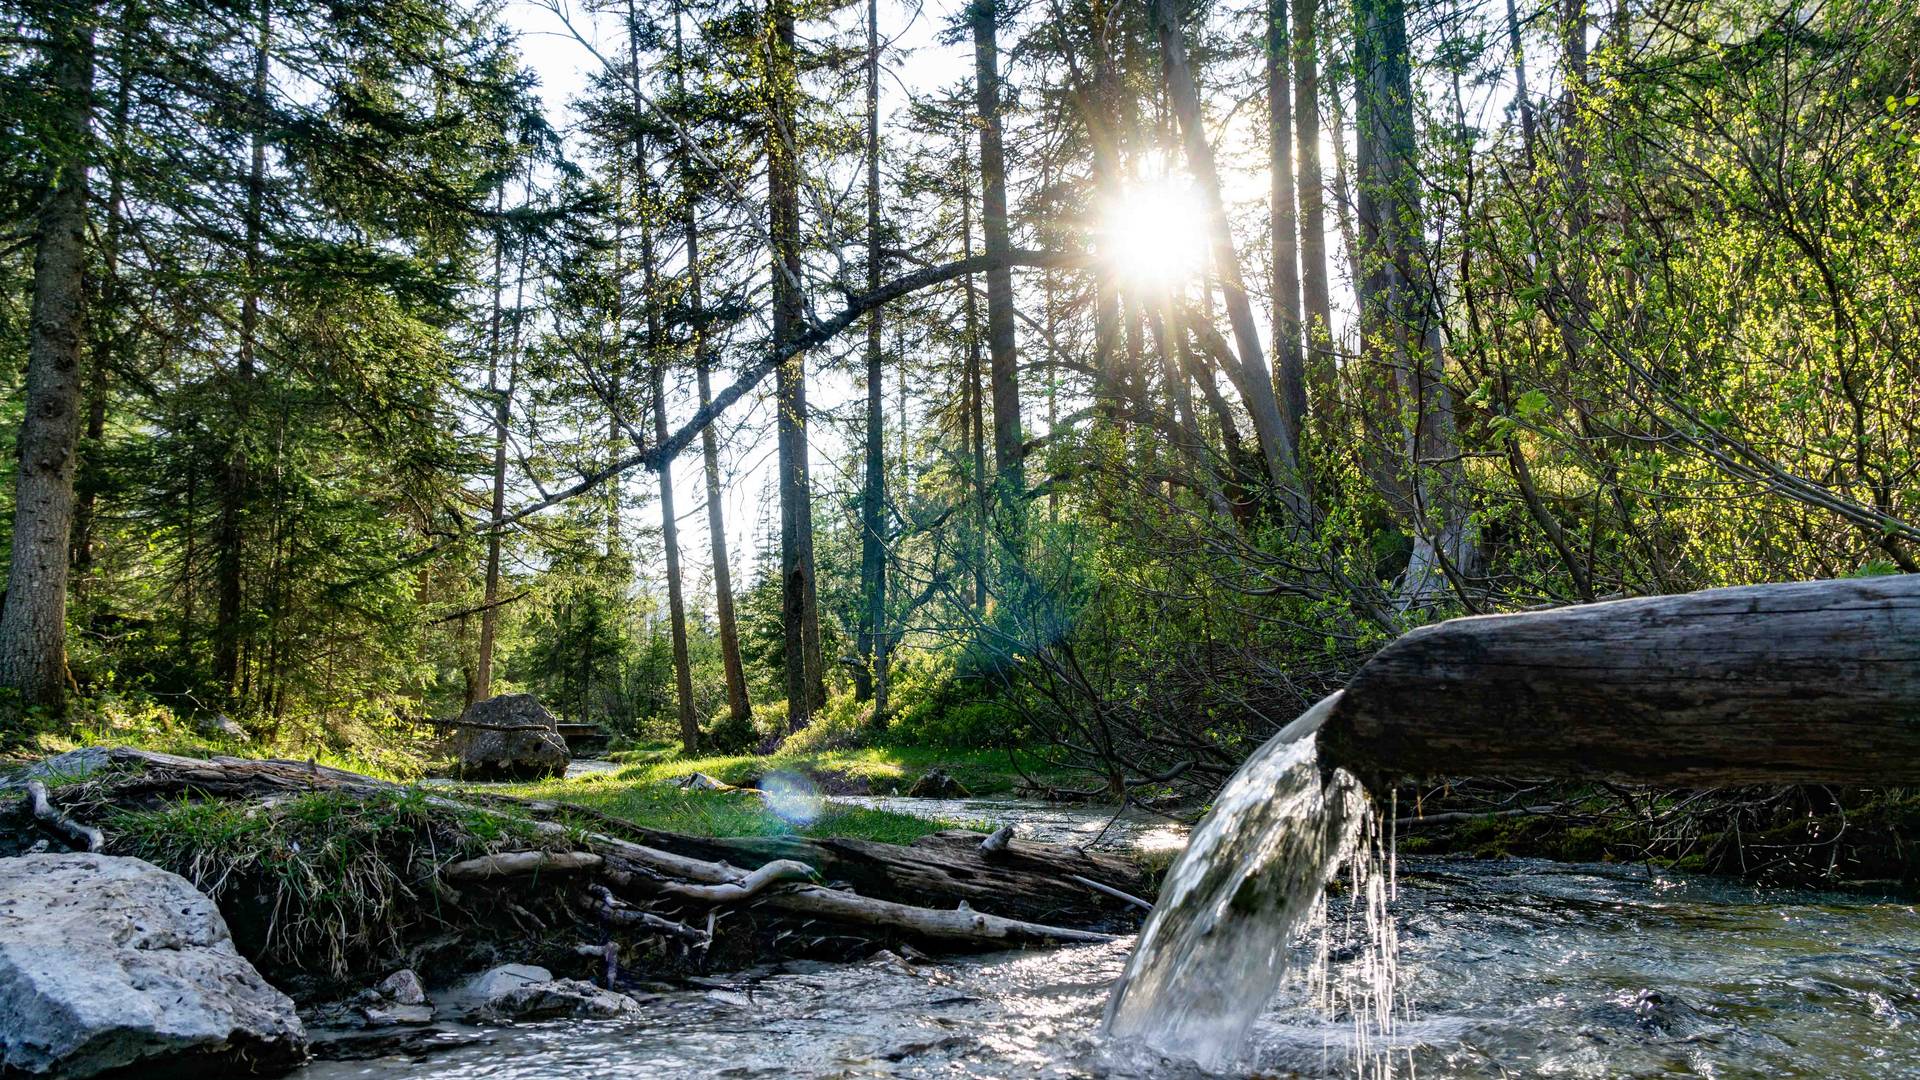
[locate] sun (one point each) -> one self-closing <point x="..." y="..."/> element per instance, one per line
<point x="1155" y="235"/>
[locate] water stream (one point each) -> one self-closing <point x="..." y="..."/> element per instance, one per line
<point x="1515" y="968"/>
<point x="1251" y="966"/>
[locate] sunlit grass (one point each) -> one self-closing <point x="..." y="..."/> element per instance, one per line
<point x="657" y="804"/>
<point x="876" y="770"/>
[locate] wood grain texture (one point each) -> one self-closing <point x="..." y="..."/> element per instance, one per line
<point x="1812" y="682"/>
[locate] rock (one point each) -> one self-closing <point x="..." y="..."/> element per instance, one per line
<point x="525" y="992"/>
<point x="700" y="781"/>
<point x="222" y="725"/>
<point x="108" y="962"/>
<point x="403" y="988"/>
<point x="560" y="997"/>
<point x="494" y="982"/>
<point x="936" y="784"/>
<point x="531" y="750"/>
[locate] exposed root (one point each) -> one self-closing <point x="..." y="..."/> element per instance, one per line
<point x="59" y="824"/>
<point x="513" y="863"/>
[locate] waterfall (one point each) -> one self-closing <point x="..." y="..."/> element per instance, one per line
<point x="1254" y="873"/>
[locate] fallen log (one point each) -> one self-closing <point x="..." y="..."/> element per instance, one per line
<point x="1812" y="682"/>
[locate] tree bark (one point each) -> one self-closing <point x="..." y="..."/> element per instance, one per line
<point x="1811" y="682"/>
<point x="1322" y="388"/>
<point x="1290" y="382"/>
<point x="1402" y="316"/>
<point x="1008" y="468"/>
<point x="33" y="619"/>
<point x="805" y="675"/>
<point x="739" y="707"/>
<point x="870" y="675"/>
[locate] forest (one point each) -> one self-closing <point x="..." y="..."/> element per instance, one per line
<point x="1054" y="397"/>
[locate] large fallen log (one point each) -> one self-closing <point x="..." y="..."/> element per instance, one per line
<point x="1814" y="682"/>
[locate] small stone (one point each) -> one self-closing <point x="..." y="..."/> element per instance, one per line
<point x="403" y="988"/>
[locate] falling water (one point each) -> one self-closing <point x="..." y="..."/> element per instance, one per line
<point x="1254" y="874"/>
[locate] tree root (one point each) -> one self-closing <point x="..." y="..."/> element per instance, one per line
<point x="59" y="824"/>
<point x="511" y="863"/>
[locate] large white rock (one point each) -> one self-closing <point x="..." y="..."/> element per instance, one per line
<point x="108" y="961"/>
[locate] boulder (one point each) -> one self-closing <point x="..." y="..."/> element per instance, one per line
<point x="109" y="962"/>
<point x="520" y="740"/>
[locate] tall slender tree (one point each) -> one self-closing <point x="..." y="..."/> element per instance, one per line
<point x="33" y="620"/>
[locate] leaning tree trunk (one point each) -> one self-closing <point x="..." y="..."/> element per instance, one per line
<point x="1812" y="682"/>
<point x="1249" y="372"/>
<point x="33" y="620"/>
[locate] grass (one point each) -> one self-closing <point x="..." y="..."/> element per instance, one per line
<point x="880" y="770"/>
<point x="637" y="796"/>
<point x="319" y="881"/>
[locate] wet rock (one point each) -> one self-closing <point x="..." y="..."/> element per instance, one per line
<point x="558" y="997"/>
<point x="521" y="742"/>
<point x="403" y="988"/>
<point x="527" y="992"/>
<point x="936" y="784"/>
<point x="108" y="962"/>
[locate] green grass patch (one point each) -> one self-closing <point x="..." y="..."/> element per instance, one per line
<point x="321" y="881"/>
<point x="879" y="770"/>
<point x="657" y="804"/>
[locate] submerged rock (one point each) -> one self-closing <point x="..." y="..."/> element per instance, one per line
<point x="108" y="962"/>
<point x="520" y="742"/>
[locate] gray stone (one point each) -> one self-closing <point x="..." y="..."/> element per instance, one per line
<point x="108" y="962"/>
<point x="526" y="992"/>
<point x="558" y="997"/>
<point x="403" y="988"/>
<point x="521" y="742"/>
<point x="494" y="982"/>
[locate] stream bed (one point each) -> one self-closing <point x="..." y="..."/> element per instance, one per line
<point x="1511" y="968"/>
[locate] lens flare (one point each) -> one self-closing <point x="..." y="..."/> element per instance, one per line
<point x="792" y="798"/>
<point x="1156" y="234"/>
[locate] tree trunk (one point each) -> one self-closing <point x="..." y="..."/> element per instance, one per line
<point x="973" y="434"/>
<point x="236" y="479"/>
<point x="739" y="708"/>
<point x="805" y="677"/>
<point x="33" y="619"/>
<point x="870" y="675"/>
<point x="1008" y="469"/>
<point x="1322" y="387"/>
<point x="1404" y="324"/>
<point x="670" y="539"/>
<point x="1811" y="682"/>
<point x="1250" y="370"/>
<point x="1290" y="382"/>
